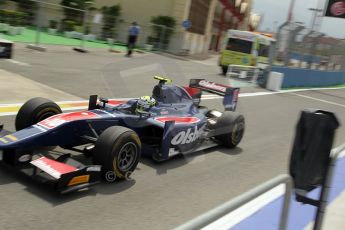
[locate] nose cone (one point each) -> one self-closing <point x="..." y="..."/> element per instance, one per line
<point x="22" y="138"/>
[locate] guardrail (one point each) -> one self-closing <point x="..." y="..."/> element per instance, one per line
<point x="294" y="77"/>
<point x="220" y="211"/>
<point x="325" y="191"/>
<point x="230" y="206"/>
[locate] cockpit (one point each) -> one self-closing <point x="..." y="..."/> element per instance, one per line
<point x="170" y="94"/>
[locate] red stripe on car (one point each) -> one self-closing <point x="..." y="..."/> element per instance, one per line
<point x="115" y="102"/>
<point x="192" y="91"/>
<point x="63" y="118"/>
<point x="178" y="119"/>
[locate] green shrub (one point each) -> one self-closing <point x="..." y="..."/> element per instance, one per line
<point x="163" y="28"/>
<point x="7" y="16"/>
<point x="14" y="18"/>
<point x="110" y="16"/>
<point x="2" y="16"/>
<point x="21" y="18"/>
<point x="78" y="29"/>
<point x="53" y="24"/>
<point x="29" y="8"/>
<point x="75" y="15"/>
<point x="152" y="40"/>
<point x="68" y="25"/>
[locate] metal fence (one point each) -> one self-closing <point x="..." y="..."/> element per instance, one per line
<point x="228" y="207"/>
<point x="300" y="47"/>
<point x="47" y="23"/>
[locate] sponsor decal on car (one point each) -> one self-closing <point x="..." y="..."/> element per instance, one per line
<point x="212" y="85"/>
<point x="57" y="120"/>
<point x="94" y="169"/>
<point x="3" y="140"/>
<point x="11" y="137"/>
<point x="186" y="137"/>
<point x="79" y="180"/>
<point x="164" y="112"/>
<point x="53" y="168"/>
<point x="173" y="152"/>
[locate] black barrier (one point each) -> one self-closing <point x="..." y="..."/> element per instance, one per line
<point x="5" y="49"/>
<point x="310" y="158"/>
<point x="312" y="146"/>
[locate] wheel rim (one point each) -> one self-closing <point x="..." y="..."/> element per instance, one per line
<point x="237" y="132"/>
<point x="127" y="156"/>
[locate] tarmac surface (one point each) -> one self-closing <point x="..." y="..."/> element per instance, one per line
<point x="162" y="195"/>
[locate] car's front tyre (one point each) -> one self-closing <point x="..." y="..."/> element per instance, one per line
<point x="35" y="110"/>
<point x="118" y="151"/>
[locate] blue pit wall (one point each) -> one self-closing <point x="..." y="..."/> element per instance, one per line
<point x="294" y="77"/>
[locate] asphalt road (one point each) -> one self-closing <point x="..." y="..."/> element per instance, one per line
<point x="162" y="195"/>
<point x="104" y="73"/>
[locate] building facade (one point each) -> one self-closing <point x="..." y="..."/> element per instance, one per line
<point x="208" y="19"/>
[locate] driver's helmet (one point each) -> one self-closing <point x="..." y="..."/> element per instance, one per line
<point x="144" y="104"/>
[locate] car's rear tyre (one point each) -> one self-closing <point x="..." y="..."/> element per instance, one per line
<point x="237" y="127"/>
<point x="118" y="151"/>
<point x="34" y="111"/>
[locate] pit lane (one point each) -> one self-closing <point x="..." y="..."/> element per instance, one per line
<point x="164" y="195"/>
<point x="167" y="194"/>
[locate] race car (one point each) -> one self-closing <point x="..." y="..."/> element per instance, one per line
<point x="115" y="133"/>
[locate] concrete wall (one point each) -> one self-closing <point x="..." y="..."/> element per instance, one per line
<point x="309" y="78"/>
<point x="199" y="43"/>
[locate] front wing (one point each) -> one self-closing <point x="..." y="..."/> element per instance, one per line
<point x="58" y="170"/>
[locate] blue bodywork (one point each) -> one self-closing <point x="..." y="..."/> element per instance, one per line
<point x="175" y="113"/>
<point x="176" y="124"/>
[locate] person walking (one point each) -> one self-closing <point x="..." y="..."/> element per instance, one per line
<point x="133" y="34"/>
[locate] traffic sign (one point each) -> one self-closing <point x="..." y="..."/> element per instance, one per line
<point x="187" y="24"/>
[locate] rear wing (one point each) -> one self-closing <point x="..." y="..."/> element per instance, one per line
<point x="229" y="93"/>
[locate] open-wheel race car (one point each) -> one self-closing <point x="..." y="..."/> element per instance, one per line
<point x="114" y="133"/>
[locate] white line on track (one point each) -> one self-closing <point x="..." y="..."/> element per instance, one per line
<point x="317" y="99"/>
<point x="204" y="97"/>
<point x="17" y="62"/>
<point x="278" y="92"/>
